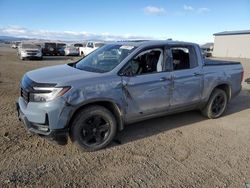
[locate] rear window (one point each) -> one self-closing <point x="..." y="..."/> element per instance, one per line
<point x="90" y="45"/>
<point x="78" y="45"/>
<point x="98" y="45"/>
<point x="184" y="57"/>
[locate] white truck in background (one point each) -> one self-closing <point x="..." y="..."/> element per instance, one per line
<point x="90" y="47"/>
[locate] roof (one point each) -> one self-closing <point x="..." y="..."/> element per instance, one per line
<point x="242" y="32"/>
<point x="153" y="43"/>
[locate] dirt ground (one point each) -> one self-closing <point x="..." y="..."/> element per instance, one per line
<point x="182" y="150"/>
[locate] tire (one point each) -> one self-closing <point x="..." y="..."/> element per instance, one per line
<point x="216" y="105"/>
<point x="93" y="128"/>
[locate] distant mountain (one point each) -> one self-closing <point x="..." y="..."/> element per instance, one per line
<point x="10" y="38"/>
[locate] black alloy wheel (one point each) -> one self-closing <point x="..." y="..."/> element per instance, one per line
<point x="93" y="128"/>
<point x="216" y="104"/>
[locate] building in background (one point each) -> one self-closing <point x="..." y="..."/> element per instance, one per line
<point x="235" y="44"/>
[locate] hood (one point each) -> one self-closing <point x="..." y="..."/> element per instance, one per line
<point x="31" y="49"/>
<point x="59" y="74"/>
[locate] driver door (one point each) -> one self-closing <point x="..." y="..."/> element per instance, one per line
<point x="147" y="91"/>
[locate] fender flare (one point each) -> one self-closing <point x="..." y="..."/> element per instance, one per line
<point x="116" y="110"/>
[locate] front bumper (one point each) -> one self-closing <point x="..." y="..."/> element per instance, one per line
<point x="48" y="120"/>
<point x="32" y="55"/>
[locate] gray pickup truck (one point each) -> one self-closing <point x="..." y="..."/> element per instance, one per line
<point x="121" y="83"/>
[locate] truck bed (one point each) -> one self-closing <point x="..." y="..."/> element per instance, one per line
<point x="212" y="62"/>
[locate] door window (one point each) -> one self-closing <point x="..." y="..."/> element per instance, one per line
<point x="183" y="58"/>
<point x="90" y="45"/>
<point x="149" y="61"/>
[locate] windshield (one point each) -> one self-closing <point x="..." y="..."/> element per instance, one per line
<point x="33" y="46"/>
<point x="50" y="45"/>
<point x="98" y="45"/>
<point x="60" y="45"/>
<point x="105" y="59"/>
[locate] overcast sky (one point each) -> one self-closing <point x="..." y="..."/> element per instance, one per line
<point x="188" y="20"/>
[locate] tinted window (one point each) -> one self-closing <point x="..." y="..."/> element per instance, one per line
<point x="98" y="45"/>
<point x="147" y="62"/>
<point x="78" y="45"/>
<point x="90" y="45"/>
<point x="183" y="58"/>
<point x="60" y="45"/>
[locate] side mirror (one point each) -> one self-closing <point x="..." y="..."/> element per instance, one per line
<point x="128" y="71"/>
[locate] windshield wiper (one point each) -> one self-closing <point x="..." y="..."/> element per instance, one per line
<point x="91" y="69"/>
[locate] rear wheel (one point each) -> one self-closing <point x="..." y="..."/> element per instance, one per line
<point x="93" y="128"/>
<point x="216" y="105"/>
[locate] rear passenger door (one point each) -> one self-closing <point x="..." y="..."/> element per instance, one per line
<point x="187" y="77"/>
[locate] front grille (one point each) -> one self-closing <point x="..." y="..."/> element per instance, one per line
<point x="32" y="51"/>
<point x="25" y="95"/>
<point x="29" y="53"/>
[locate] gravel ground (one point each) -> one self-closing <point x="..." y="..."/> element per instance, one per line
<point x="182" y="150"/>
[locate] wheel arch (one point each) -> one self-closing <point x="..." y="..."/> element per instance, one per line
<point x="112" y="106"/>
<point x="225" y="87"/>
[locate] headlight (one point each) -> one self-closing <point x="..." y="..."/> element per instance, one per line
<point x="45" y="94"/>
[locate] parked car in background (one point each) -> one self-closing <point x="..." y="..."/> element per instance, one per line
<point x="207" y="49"/>
<point x="60" y="47"/>
<point x="90" y="47"/>
<point x="207" y="53"/>
<point x="71" y="51"/>
<point x="77" y="45"/>
<point x="15" y="45"/>
<point x="123" y="83"/>
<point x="49" y="48"/>
<point x="29" y="51"/>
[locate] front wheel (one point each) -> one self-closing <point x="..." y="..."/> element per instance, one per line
<point x="93" y="128"/>
<point x="216" y="105"/>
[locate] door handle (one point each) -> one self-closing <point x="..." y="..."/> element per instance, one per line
<point x="165" y="78"/>
<point x="198" y="74"/>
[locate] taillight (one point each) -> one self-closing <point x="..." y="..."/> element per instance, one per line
<point x="242" y="76"/>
